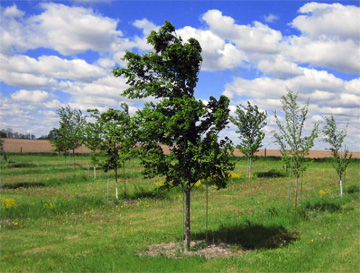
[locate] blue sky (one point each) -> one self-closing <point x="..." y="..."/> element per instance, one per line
<point x="58" y="53"/>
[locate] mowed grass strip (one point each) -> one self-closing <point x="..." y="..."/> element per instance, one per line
<point x="77" y="222"/>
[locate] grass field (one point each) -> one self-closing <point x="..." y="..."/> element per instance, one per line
<point x="55" y="218"/>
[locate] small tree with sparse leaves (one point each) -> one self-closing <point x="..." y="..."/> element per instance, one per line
<point x="118" y="140"/>
<point x="59" y="142"/>
<point x="290" y="136"/>
<point x="335" y="138"/>
<point x="71" y="132"/>
<point x="94" y="136"/>
<point x="250" y="122"/>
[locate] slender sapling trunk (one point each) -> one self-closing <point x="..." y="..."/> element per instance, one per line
<point x="116" y="185"/>
<point x="250" y="167"/>
<point x="296" y="191"/>
<point x="187" y="233"/>
<point x="73" y="158"/>
<point x="341" y="184"/>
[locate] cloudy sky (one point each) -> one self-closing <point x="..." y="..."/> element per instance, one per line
<point x="60" y="53"/>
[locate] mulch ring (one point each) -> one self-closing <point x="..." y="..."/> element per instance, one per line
<point x="199" y="248"/>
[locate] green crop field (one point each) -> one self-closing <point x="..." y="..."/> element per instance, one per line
<point x="55" y="218"/>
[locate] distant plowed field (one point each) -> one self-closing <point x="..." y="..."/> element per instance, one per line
<point x="44" y="146"/>
<point x="33" y="146"/>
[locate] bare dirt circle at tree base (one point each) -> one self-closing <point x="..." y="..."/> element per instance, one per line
<point x="198" y="248"/>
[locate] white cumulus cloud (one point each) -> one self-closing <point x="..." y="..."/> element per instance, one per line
<point x="332" y="20"/>
<point x="254" y="38"/>
<point x="35" y="96"/>
<point x="51" y="67"/>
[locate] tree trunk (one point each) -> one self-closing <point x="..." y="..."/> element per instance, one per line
<point x="296" y="191"/>
<point x="341" y="184"/>
<point x="73" y="158"/>
<point x="187" y="225"/>
<point x="124" y="178"/>
<point x="250" y="167"/>
<point x="116" y="185"/>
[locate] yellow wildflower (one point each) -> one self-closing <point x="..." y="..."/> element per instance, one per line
<point x="8" y="203"/>
<point x="236" y="176"/>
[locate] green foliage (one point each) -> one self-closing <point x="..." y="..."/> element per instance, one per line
<point x="189" y="126"/>
<point x="4" y="154"/>
<point x="118" y="139"/>
<point x="94" y="135"/>
<point x="250" y="122"/>
<point x="59" y="142"/>
<point x="70" y="135"/>
<point x="72" y="125"/>
<point x="290" y="136"/>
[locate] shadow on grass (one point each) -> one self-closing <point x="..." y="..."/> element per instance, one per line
<point x="250" y="236"/>
<point x="49" y="183"/>
<point x="352" y="189"/>
<point x="323" y="205"/>
<point x="271" y="174"/>
<point x="14" y="186"/>
<point x="141" y="192"/>
<point x="23" y="165"/>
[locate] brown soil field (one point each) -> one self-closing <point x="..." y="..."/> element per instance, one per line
<point x="33" y="146"/>
<point x="44" y="146"/>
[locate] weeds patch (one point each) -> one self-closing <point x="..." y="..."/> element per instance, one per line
<point x="47" y="208"/>
<point x="142" y="192"/>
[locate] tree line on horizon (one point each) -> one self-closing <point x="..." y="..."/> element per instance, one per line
<point x="10" y="133"/>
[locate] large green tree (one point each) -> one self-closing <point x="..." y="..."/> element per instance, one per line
<point x="290" y="137"/>
<point x="250" y="122"/>
<point x="190" y="128"/>
<point x="335" y="138"/>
